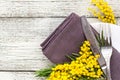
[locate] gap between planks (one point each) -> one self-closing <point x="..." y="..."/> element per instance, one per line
<point x="17" y="70"/>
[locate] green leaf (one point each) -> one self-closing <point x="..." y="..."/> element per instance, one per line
<point x="102" y="39"/>
<point x="70" y="57"/>
<point x="98" y="39"/>
<point x="76" y="54"/>
<point x="43" y="72"/>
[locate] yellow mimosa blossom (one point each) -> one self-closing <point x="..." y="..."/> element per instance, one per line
<point x="104" y="12"/>
<point x="84" y="65"/>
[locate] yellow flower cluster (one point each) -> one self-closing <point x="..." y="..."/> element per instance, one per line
<point x="104" y="12"/>
<point x="85" y="65"/>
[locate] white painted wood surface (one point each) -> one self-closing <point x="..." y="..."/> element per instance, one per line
<point x="49" y="8"/>
<point x="24" y="24"/>
<point x="19" y="76"/>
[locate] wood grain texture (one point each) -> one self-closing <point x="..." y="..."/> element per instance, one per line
<point x="20" y="44"/>
<point x="49" y="8"/>
<point x="56" y="0"/>
<point x="19" y="76"/>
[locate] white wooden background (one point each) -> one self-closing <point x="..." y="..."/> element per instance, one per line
<point x="24" y="24"/>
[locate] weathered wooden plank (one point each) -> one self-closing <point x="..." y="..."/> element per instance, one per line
<point x="49" y="9"/>
<point x="19" y="76"/>
<point x="20" y="40"/>
<point x="20" y="44"/>
<point x="41" y="0"/>
<point x="56" y="0"/>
